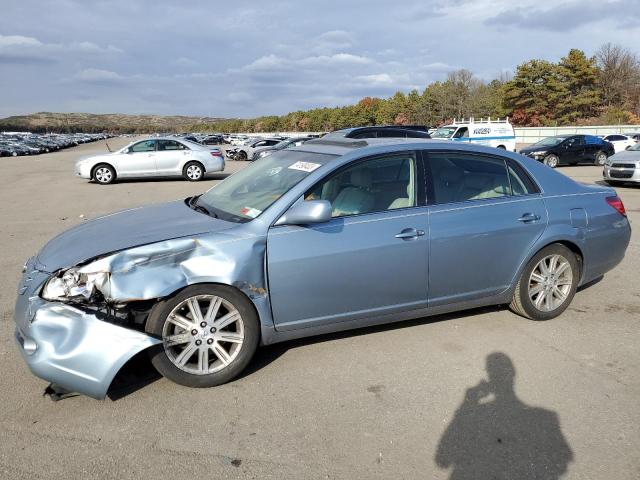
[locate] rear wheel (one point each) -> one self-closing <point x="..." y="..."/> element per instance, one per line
<point x="501" y="147"/>
<point x="193" y="171"/>
<point x="547" y="284"/>
<point x="551" y="160"/>
<point x="104" y="174"/>
<point x="209" y="334"/>
<point x="600" y="157"/>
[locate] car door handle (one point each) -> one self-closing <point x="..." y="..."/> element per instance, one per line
<point x="409" y="233"/>
<point x="529" y="218"/>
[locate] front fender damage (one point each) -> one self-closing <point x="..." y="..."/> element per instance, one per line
<point x="140" y="276"/>
<point x="157" y="270"/>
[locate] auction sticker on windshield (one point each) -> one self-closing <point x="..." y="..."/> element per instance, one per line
<point x="304" y="166"/>
<point x="250" y="212"/>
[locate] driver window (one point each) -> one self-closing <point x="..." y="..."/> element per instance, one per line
<point x="376" y="185"/>
<point x="463" y="132"/>
<point x="144" y="146"/>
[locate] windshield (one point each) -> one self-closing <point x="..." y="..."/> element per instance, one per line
<point x="444" y="132"/>
<point x="246" y="194"/>
<point x="282" y="144"/>
<point x="549" y="142"/>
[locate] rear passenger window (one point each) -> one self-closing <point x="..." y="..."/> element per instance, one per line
<point x="164" y="145"/>
<point x="521" y="184"/>
<point x="458" y="177"/>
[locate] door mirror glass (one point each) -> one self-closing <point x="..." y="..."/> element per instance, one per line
<point x="306" y="213"/>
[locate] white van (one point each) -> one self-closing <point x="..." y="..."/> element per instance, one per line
<point x="492" y="133"/>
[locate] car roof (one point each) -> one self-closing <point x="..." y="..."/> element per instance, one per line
<point x="342" y="146"/>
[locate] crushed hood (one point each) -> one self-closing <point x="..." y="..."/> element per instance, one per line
<point x="125" y="229"/>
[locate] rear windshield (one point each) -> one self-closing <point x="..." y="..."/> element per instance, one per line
<point x="246" y="194"/>
<point x="550" y="141"/>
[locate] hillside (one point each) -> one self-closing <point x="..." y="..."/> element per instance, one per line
<point x="112" y="122"/>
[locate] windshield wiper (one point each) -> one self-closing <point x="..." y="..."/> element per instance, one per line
<point x="193" y="204"/>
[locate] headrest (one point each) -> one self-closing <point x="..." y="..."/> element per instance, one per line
<point x="473" y="181"/>
<point x="361" y="177"/>
<point x="451" y="176"/>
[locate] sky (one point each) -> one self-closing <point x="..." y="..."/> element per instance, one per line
<point x="245" y="59"/>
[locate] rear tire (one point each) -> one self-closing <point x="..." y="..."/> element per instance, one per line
<point x="205" y="351"/>
<point x="193" y="171"/>
<point x="547" y="284"/>
<point x="501" y="147"/>
<point x="551" y="160"/>
<point x="600" y="158"/>
<point x="103" y="174"/>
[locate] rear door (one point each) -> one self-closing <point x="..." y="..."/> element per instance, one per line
<point x="486" y="215"/>
<point x="170" y="156"/>
<point x="370" y="259"/>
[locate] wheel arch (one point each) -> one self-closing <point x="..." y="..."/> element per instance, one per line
<point x="568" y="242"/>
<point x="99" y="164"/>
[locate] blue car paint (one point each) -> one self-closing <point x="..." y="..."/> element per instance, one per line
<point x="310" y="280"/>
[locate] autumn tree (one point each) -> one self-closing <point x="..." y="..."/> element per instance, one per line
<point x="578" y="95"/>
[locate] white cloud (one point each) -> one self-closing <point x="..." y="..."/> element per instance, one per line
<point x="19" y="48"/>
<point x="96" y="75"/>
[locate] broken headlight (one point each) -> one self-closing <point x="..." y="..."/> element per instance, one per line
<point x="74" y="284"/>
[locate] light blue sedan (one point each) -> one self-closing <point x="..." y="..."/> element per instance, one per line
<point x="328" y="236"/>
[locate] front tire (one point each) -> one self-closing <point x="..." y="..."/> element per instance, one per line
<point x="209" y="334"/>
<point x="242" y="155"/>
<point x="551" y="161"/>
<point x="600" y="158"/>
<point x="547" y="284"/>
<point x="104" y="174"/>
<point x="193" y="171"/>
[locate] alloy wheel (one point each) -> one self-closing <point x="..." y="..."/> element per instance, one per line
<point x="203" y="334"/>
<point x="550" y="283"/>
<point x="601" y="158"/>
<point x="551" y="161"/>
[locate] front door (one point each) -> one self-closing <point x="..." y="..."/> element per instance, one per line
<point x="370" y="259"/>
<point x="574" y="150"/>
<point x="139" y="160"/>
<point x="487" y="214"/>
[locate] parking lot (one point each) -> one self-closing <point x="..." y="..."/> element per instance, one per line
<point x="398" y="401"/>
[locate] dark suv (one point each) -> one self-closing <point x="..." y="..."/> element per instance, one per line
<point x="570" y="150"/>
<point x="379" y="132"/>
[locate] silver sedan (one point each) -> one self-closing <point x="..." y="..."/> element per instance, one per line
<point x="623" y="166"/>
<point x="154" y="157"/>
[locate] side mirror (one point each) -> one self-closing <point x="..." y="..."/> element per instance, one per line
<point x="307" y="212"/>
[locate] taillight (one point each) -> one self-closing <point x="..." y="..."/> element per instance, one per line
<point x="216" y="153"/>
<point x="616" y="203"/>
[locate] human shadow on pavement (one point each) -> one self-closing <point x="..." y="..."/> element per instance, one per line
<point x="494" y="435"/>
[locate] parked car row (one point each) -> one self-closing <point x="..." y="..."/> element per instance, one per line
<point x="14" y="144"/>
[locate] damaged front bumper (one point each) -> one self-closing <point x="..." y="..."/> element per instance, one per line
<point x="68" y="346"/>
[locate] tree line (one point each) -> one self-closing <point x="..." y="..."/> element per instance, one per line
<point x="577" y="90"/>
